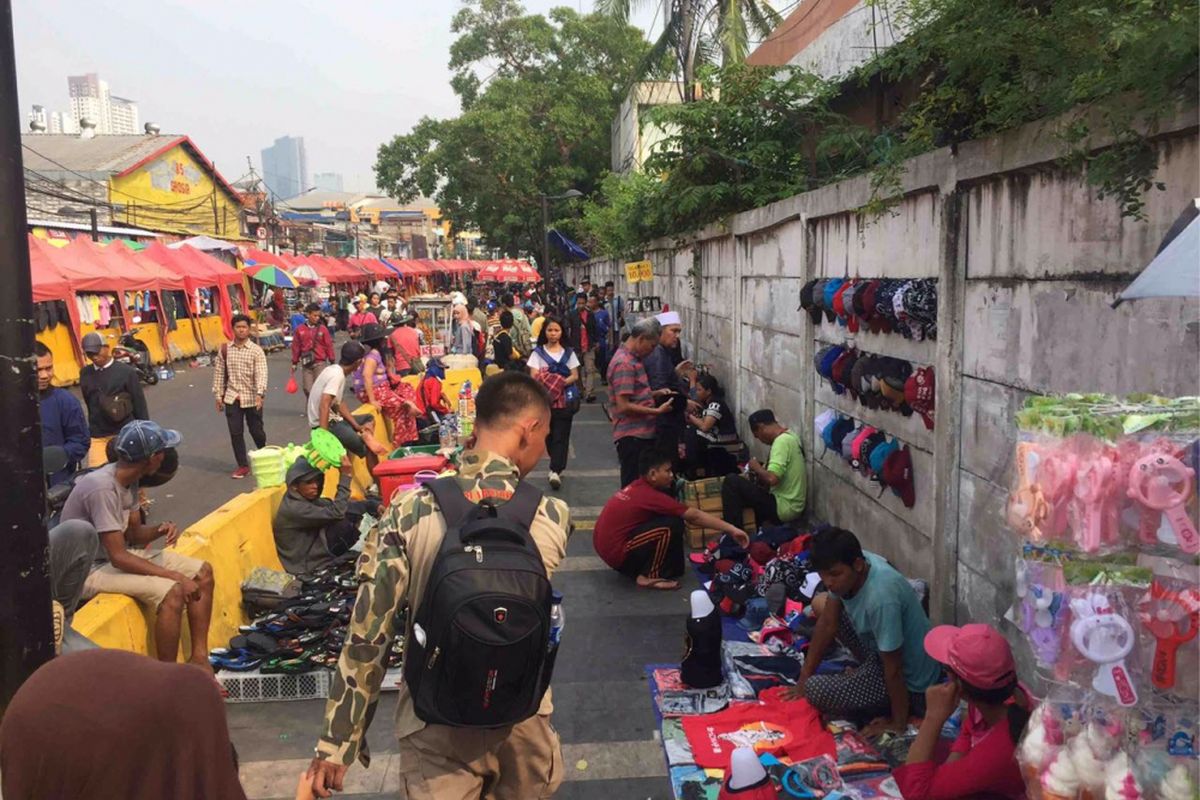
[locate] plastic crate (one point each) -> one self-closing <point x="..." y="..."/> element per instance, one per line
<point x="253" y="687"/>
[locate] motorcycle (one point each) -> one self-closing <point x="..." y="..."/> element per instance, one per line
<point x="132" y="351"/>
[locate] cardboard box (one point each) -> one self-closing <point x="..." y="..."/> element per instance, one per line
<point x="705" y="495"/>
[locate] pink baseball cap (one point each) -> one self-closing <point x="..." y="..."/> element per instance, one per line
<point x="977" y="653"/>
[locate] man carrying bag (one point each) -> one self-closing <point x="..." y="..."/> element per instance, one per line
<point x="492" y="732"/>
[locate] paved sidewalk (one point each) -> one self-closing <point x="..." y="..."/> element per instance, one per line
<point x="602" y="705"/>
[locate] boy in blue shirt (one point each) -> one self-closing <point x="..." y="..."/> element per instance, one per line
<point x="872" y="610"/>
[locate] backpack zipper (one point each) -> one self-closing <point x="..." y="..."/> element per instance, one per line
<point x="477" y="550"/>
<point x="433" y="657"/>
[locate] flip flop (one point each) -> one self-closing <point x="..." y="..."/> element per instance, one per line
<point x="233" y="660"/>
<point x="660" y="584"/>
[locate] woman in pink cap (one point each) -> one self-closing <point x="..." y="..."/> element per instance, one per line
<point x="982" y="761"/>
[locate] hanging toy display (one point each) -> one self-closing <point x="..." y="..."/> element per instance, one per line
<point x="1104" y="509"/>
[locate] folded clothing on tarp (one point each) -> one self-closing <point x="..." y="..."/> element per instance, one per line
<point x="784" y="728"/>
<point x="675" y="699"/>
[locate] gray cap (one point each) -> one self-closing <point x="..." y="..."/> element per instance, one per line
<point x="93" y="343"/>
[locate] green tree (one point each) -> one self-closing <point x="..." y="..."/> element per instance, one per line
<point x="699" y="34"/>
<point x="538" y="97"/>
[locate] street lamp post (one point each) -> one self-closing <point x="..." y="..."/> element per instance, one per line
<point x="67" y="211"/>
<point x="546" y="198"/>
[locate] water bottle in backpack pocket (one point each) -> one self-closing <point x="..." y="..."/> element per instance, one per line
<point x="486" y="654"/>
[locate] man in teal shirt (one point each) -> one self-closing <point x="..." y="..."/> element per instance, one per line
<point x="873" y="611"/>
<point x="778" y="491"/>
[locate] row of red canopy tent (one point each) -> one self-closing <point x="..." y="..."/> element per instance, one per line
<point x="61" y="273"/>
<point x="360" y="270"/>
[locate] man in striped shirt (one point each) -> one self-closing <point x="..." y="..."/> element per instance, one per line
<point x="634" y="410"/>
<point x="240" y="384"/>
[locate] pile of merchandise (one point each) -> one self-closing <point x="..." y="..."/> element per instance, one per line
<point x="746" y="639"/>
<point x="303" y="629"/>
<point x="906" y="307"/>
<point x="1107" y="594"/>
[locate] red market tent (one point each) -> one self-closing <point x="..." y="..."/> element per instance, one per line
<point x="200" y="271"/>
<point x="253" y="256"/>
<point x="375" y="267"/>
<point x="508" y="272"/>
<point x="49" y="283"/>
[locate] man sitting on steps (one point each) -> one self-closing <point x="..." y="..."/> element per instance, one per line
<point x="640" y="531"/>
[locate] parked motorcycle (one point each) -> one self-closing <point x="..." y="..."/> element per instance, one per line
<point x="131" y="350"/>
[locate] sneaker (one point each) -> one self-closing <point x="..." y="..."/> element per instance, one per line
<point x="555" y="481"/>
<point x="240" y="473"/>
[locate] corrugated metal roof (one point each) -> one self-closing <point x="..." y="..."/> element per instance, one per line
<point x="102" y="153"/>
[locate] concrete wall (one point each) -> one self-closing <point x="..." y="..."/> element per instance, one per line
<point x="832" y="37"/>
<point x="1027" y="262"/>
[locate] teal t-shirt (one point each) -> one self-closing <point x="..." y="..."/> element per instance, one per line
<point x="887" y="616"/>
<point x="787" y="464"/>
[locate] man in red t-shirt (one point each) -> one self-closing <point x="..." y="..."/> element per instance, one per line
<point x="640" y="531"/>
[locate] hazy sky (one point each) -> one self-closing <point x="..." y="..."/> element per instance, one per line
<point x="236" y="75"/>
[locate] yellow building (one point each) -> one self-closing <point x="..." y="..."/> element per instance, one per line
<point x="157" y="182"/>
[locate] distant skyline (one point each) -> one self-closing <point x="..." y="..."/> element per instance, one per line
<point x="236" y="76"/>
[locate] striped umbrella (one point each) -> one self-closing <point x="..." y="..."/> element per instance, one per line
<point x="272" y="276"/>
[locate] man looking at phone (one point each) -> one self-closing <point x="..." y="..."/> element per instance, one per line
<point x="668" y="380"/>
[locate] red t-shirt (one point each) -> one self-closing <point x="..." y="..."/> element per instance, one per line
<point x="637" y="503"/>
<point x="988" y="767"/>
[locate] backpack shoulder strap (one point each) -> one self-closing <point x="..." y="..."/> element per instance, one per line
<point x="450" y="499"/>
<point x="523" y="506"/>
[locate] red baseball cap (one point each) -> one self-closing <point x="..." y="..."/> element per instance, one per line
<point x="977" y="653"/>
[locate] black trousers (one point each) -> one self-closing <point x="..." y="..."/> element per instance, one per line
<point x="629" y="452"/>
<point x="738" y="493"/>
<point x="558" y="440"/>
<point x="238" y="419"/>
<point x="655" y="549"/>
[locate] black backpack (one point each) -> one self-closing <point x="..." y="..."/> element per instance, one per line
<point x="486" y="659"/>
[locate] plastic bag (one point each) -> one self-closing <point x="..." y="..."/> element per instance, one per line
<point x="292" y="388"/>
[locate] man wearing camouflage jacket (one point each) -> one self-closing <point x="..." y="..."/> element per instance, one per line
<point x="521" y="762"/>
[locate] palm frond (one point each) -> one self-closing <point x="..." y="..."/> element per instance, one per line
<point x="732" y="32"/>
<point x="763" y="19"/>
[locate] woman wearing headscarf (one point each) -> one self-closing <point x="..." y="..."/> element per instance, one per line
<point x="108" y="723"/>
<point x="371" y="385"/>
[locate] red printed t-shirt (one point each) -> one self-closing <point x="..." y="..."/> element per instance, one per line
<point x="987" y="767"/>
<point x="627" y="376"/>
<point x="790" y="728"/>
<point x="636" y="504"/>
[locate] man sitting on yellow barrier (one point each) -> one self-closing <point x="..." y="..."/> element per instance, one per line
<point x="163" y="581"/>
<point x="311" y="531"/>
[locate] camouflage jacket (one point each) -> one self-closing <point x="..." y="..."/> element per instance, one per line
<point x="392" y="572"/>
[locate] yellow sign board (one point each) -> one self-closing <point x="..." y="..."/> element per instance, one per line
<point x="639" y="271"/>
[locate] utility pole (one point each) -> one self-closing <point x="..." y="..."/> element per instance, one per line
<point x="25" y="635"/>
<point x="216" y="222"/>
<point x="95" y="224"/>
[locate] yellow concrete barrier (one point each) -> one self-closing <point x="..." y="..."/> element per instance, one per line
<point x="234" y="539"/>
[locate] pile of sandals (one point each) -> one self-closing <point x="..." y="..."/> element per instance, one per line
<point x="304" y="633"/>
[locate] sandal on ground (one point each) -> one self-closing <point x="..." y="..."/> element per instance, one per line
<point x="660" y="584"/>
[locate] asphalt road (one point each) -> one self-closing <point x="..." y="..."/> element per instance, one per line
<point x="186" y="404"/>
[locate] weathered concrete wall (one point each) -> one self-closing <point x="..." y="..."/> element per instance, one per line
<point x="1027" y="262"/>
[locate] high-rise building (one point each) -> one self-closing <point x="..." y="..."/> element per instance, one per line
<point x="92" y="100"/>
<point x="328" y="181"/>
<point x="63" y="122"/>
<point x="285" y="167"/>
<point x="39" y="121"/>
<point x="124" y="115"/>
